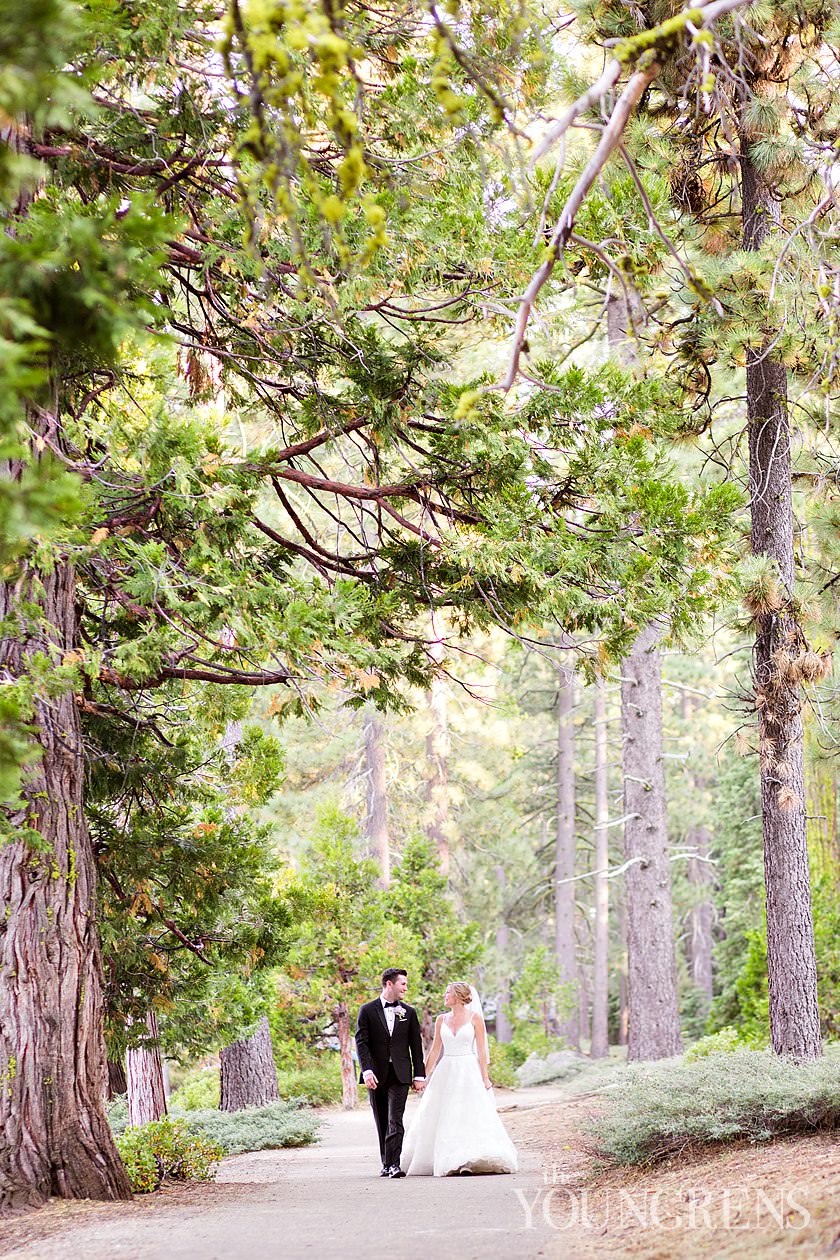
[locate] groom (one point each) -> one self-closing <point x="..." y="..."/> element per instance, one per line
<point x="391" y="1059"/>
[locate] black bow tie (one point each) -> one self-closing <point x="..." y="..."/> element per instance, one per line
<point x="392" y="1003"/>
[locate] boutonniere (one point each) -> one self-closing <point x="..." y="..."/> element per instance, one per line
<point x="401" y="1013"/>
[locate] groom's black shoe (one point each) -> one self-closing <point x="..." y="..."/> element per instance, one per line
<point x="384" y="1171"/>
<point x="395" y="1171"/>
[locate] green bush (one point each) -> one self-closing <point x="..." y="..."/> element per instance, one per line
<point x="724" y="1041"/>
<point x="166" y="1148"/>
<point x="256" y="1128"/>
<point x="827" y="941"/>
<point x="318" y="1083"/>
<point x="199" y="1090"/>
<point x="531" y="1039"/>
<point x="143" y="1170"/>
<point x="665" y="1109"/>
<point x="503" y="1064"/>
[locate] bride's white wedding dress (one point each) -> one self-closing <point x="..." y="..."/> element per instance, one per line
<point x="456" y="1127"/>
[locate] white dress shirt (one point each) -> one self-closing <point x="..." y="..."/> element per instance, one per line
<point x="390" y="1015"/>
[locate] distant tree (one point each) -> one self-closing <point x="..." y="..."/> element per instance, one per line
<point x="449" y="947"/>
<point x="653" y="1005"/>
<point x="540" y="989"/>
<point x="347" y="938"/>
<point x="736" y="847"/>
<point x="247" y="1073"/>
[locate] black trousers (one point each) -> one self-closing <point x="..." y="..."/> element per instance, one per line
<point x="388" y="1103"/>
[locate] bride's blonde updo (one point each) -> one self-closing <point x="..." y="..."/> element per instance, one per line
<point x="462" y="991"/>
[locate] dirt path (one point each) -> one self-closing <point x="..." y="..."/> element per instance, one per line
<point x="322" y="1201"/>
<point x="741" y="1202"/>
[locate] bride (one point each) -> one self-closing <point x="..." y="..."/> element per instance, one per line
<point x="456" y="1128"/>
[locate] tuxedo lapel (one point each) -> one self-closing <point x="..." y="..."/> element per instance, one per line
<point x="383" y="1021"/>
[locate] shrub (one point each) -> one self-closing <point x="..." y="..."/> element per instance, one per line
<point x="724" y="1041"/>
<point x="199" y="1091"/>
<point x="664" y="1109"/>
<point x="256" y="1128"/>
<point x="318" y="1083"/>
<point x="502" y="1064"/>
<point x="166" y="1148"/>
<point x="531" y="1039"/>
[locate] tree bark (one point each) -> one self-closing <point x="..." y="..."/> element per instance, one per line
<point x="427" y="1030"/>
<point x="584" y="1013"/>
<point x="117" y="1083"/>
<point x="702" y="914"/>
<point x="653" y="1025"/>
<point x="349" y="1090"/>
<point x="248" y="1074"/>
<point x="144" y="1074"/>
<point x="654" y="1022"/>
<point x="623" y="1010"/>
<point x="376" y="818"/>
<point x="600" y="969"/>
<point x="565" y="852"/>
<point x="54" y="1137"/>
<point x="779" y="643"/>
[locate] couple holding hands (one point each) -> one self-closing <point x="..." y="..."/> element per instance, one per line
<point x="456" y="1128"/>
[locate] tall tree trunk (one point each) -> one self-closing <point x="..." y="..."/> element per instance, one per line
<point x="376" y="818"/>
<point x="584" y="1013"/>
<point x="437" y="757"/>
<point x="144" y="1074"/>
<point x="653" y="1026"/>
<point x="565" y="851"/>
<point x="779" y="644"/>
<point x="117" y="1083"/>
<point x="600" y="969"/>
<point x="702" y="914"/>
<point x="349" y="1089"/>
<point x="654" y="1022"/>
<point x="504" y="1030"/>
<point x="248" y="1074"/>
<point x="427" y="1030"/>
<point x="623" y="1006"/>
<point x="54" y="1137"/>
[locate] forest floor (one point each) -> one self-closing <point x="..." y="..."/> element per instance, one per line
<point x="740" y="1202"/>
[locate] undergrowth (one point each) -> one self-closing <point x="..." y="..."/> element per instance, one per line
<point x="666" y="1108"/>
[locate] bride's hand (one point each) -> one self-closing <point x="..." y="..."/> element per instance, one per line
<point x="488" y="1084"/>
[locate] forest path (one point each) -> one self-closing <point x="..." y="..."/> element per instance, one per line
<point x="767" y="1201"/>
<point x="323" y="1201"/>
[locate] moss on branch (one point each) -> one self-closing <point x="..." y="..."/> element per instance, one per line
<point x="658" y="38"/>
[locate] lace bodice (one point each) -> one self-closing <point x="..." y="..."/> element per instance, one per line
<point x="456" y="1043"/>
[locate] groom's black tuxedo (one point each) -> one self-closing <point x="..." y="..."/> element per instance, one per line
<point x="376" y="1048"/>
<point x="395" y="1060"/>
